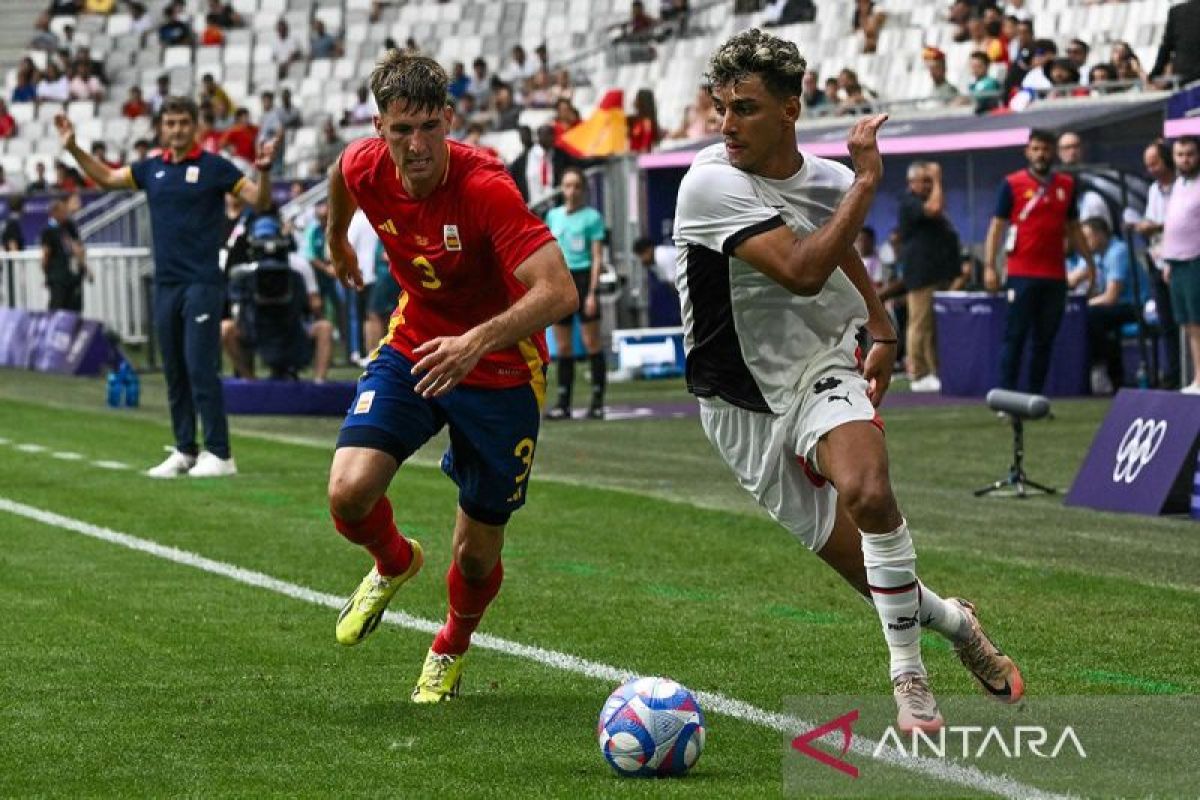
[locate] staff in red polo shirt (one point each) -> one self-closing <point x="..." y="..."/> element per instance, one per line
<point x="1038" y="209"/>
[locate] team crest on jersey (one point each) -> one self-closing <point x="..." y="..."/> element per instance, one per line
<point x="450" y="236"/>
<point x="387" y="226"/>
<point x="192" y="174"/>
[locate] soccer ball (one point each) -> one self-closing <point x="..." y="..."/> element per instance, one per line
<point x="651" y="727"/>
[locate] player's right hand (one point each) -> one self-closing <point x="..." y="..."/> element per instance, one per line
<point x="991" y="279"/>
<point x="345" y="263"/>
<point x="66" y="131"/>
<point x="864" y="148"/>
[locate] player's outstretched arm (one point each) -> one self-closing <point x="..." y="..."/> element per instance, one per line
<point x="341" y="208"/>
<point x="105" y="176"/>
<point x="258" y="193"/>
<point x="804" y="265"/>
<point x="446" y="360"/>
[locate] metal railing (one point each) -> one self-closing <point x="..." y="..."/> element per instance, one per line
<point x="123" y="223"/>
<point x="116" y="295"/>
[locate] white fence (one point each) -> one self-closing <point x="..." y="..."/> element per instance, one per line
<point x="116" y="295"/>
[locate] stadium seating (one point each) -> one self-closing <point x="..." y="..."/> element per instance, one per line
<point x="575" y="31"/>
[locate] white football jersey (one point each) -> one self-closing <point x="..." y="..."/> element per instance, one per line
<point x="750" y="341"/>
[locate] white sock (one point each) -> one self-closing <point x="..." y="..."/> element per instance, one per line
<point x="891" y="565"/>
<point x="940" y="615"/>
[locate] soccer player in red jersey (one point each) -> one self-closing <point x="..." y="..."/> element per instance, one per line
<point x="481" y="278"/>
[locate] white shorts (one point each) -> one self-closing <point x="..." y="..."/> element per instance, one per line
<point x="768" y="452"/>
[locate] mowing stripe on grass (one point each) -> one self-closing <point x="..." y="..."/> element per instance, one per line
<point x="966" y="776"/>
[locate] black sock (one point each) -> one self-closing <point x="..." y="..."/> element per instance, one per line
<point x="566" y="380"/>
<point x="599" y="377"/>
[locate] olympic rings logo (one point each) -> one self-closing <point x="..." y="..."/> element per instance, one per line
<point x="1138" y="447"/>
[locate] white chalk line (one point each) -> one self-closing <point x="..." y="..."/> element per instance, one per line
<point x="949" y="772"/>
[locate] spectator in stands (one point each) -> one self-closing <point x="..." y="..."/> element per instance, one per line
<point x="8" y="125"/>
<point x="1089" y="203"/>
<point x="868" y="21"/>
<point x="83" y="55"/>
<point x="699" y="119"/>
<point x="518" y="72"/>
<point x="12" y="238"/>
<point x="566" y="116"/>
<point x="458" y="80"/>
<point x="241" y="136"/>
<point x="211" y="90"/>
<point x="929" y="249"/>
<point x="958" y="16"/>
<point x="984" y="89"/>
<point x="292" y="120"/>
<point x="644" y="131"/>
<point x="1077" y="54"/>
<point x="323" y="44"/>
<point x="675" y="12"/>
<point x="1020" y="54"/>
<point x="864" y="245"/>
<point x="64" y="8"/>
<point x="639" y="28"/>
<point x="1111" y="304"/>
<point x="1161" y="169"/>
<point x="539" y="94"/>
<point x="788" y="12"/>
<point x="162" y="90"/>
<point x="25" y="88"/>
<point x="286" y="48"/>
<point x="54" y="86"/>
<point x="271" y="128"/>
<point x="1180" y="47"/>
<point x="45" y="39"/>
<point x="207" y="135"/>
<point x="213" y="34"/>
<point x="64" y="260"/>
<point x="362" y="112"/>
<point x="815" y="101"/>
<point x="1038" y="207"/>
<point x="480" y="85"/>
<point x="506" y="112"/>
<point x="224" y="14"/>
<point x="1037" y="79"/>
<point x="1101" y="77"/>
<point x="996" y="44"/>
<point x="6" y="188"/>
<point x="66" y="179"/>
<point x="38" y="185"/>
<point x="542" y="54"/>
<point x="1181" y="247"/>
<point x="329" y="147"/>
<point x="833" y="91"/>
<point x="942" y="92"/>
<point x="174" y="31"/>
<point x="141" y="22"/>
<point x="141" y="151"/>
<point x="1128" y="66"/>
<point x="99" y="152"/>
<point x="134" y="106"/>
<point x="857" y="99"/>
<point x="564" y="89"/>
<point x="84" y="85"/>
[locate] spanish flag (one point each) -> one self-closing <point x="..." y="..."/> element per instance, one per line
<point x="604" y="133"/>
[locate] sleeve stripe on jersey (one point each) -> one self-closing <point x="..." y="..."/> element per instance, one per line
<point x="735" y="239"/>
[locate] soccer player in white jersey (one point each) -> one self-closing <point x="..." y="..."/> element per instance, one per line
<point x="774" y="298"/>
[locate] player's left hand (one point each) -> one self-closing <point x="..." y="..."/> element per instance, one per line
<point x="589" y="305"/>
<point x="877" y="369"/>
<point x="445" y="361"/>
<point x="266" y="156"/>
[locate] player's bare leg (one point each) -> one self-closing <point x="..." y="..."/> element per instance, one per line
<point x="590" y="333"/>
<point x="472" y="582"/>
<point x="358" y="480"/>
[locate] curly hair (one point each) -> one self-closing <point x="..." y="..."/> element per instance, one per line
<point x="418" y="81"/>
<point x="777" y="61"/>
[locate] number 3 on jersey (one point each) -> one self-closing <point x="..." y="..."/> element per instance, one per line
<point x="429" y="278"/>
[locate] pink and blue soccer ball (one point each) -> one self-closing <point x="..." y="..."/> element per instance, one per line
<point x="651" y="727"/>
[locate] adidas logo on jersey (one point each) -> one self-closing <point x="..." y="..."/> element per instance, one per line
<point x="387" y="226"/>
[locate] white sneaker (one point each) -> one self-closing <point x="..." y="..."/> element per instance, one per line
<point x="210" y="466"/>
<point x="173" y="466"/>
<point x="929" y="383"/>
<point x="1191" y="388"/>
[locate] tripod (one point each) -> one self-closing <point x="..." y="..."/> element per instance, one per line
<point x="1016" y="473"/>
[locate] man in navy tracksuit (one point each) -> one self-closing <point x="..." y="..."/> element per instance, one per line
<point x="186" y="190"/>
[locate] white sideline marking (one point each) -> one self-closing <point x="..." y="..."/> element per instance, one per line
<point x="110" y="465"/>
<point x="29" y="447"/>
<point x="966" y="776"/>
<point x="67" y="456"/>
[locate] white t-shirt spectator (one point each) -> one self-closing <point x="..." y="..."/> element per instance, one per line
<point x="287" y="48"/>
<point x="365" y="241"/>
<point x="57" y="91"/>
<point x="539" y="174"/>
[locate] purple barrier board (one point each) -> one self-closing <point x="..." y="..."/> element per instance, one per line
<point x="1143" y="458"/>
<point x="288" y="397"/>
<point x="58" y="341"/>
<point x="970" y="330"/>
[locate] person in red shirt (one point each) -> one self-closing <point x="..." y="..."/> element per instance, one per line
<point x="482" y="278"/>
<point x="135" y="106"/>
<point x="1039" y="208"/>
<point x="644" y="132"/>
<point x="241" y="135"/>
<point x="8" y="125"/>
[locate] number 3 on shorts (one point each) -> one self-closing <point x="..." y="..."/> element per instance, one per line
<point x="523" y="451"/>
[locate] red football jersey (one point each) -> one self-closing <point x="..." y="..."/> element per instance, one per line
<point x="453" y="252"/>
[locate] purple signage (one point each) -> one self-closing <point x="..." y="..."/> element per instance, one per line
<point x="1143" y="458"/>
<point x="52" y="342"/>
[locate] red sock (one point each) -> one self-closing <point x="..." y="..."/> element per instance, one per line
<point x="377" y="532"/>
<point x="468" y="601"/>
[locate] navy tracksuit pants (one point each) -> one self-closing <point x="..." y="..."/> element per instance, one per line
<point x="187" y="319"/>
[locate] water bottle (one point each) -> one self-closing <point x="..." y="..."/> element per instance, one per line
<point x="115" y="385"/>
<point x="133" y="385"/>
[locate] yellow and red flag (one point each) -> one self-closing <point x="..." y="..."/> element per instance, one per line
<point x="604" y="133"/>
